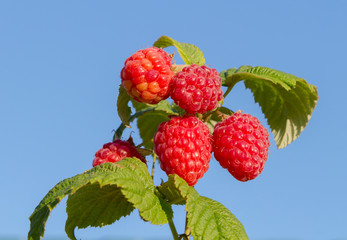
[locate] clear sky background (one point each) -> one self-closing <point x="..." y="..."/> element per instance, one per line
<point x="59" y="76"/>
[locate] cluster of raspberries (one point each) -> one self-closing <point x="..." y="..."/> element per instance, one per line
<point x="184" y="144"/>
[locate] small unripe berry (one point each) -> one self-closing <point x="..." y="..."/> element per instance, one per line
<point x="146" y="75"/>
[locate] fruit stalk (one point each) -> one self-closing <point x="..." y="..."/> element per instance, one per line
<point x="153" y="165"/>
<point x="173" y="229"/>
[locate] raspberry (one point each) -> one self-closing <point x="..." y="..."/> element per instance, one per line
<point x="240" y="144"/>
<point x="196" y="89"/>
<point x="146" y="75"/>
<point x="116" y="151"/>
<point x="183" y="146"/>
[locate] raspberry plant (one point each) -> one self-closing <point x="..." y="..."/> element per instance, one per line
<point x="182" y="137"/>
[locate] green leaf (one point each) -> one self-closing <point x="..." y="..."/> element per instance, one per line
<point x="96" y="206"/>
<point x="286" y="100"/>
<point x="141" y="106"/>
<point x="226" y="73"/>
<point x="124" y="111"/>
<point x="137" y="186"/>
<point x="144" y="151"/>
<point x="148" y="125"/>
<point x="41" y="213"/>
<point x="162" y="108"/>
<point x="177" y="109"/>
<point x="175" y="190"/>
<point x="189" y="53"/>
<point x="211" y="124"/>
<point x="215" y="117"/>
<point x="129" y="175"/>
<point x="165" y="106"/>
<point x="208" y="219"/>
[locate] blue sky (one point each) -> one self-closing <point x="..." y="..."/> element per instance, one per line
<point x="59" y="75"/>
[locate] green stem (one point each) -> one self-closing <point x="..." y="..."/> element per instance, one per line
<point x="173" y="229"/>
<point x="122" y="126"/>
<point x="227" y="92"/>
<point x="187" y="229"/>
<point x="229" y="88"/>
<point x="153" y="166"/>
<point x="200" y="116"/>
<point x="140" y="145"/>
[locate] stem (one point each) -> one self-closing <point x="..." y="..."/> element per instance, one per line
<point x="199" y="115"/>
<point x="173" y="229"/>
<point x="229" y="88"/>
<point x="122" y="126"/>
<point x="140" y="145"/>
<point x="187" y="229"/>
<point x="153" y="166"/>
<point x="227" y="92"/>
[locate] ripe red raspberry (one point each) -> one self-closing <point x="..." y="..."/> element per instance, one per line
<point x="146" y="75"/>
<point x="183" y="146"/>
<point x="196" y="89"/>
<point x="240" y="144"/>
<point x="116" y="151"/>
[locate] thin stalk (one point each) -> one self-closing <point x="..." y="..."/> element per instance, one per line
<point x="118" y="133"/>
<point x="187" y="229"/>
<point x="140" y="145"/>
<point x="199" y="115"/>
<point x="229" y="88"/>
<point x="153" y="166"/>
<point x="227" y="92"/>
<point x="173" y="229"/>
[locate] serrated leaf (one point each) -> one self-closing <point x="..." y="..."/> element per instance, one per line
<point x="221" y="114"/>
<point x="189" y="53"/>
<point x="286" y="100"/>
<point x="210" y="125"/>
<point x="216" y="117"/>
<point x="226" y="73"/>
<point x="144" y="151"/>
<point x="48" y="203"/>
<point x="175" y="190"/>
<point x="148" y="125"/>
<point x="124" y="111"/>
<point x="177" y="109"/>
<point x="165" y="106"/>
<point x="96" y="206"/>
<point x="137" y="186"/>
<point x="209" y="219"/>
<point x="141" y="106"/>
<point x="130" y="175"/>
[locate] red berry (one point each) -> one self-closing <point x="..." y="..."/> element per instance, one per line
<point x="116" y="151"/>
<point x="146" y="75"/>
<point x="241" y="144"/>
<point x="183" y="146"/>
<point x="196" y="89"/>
